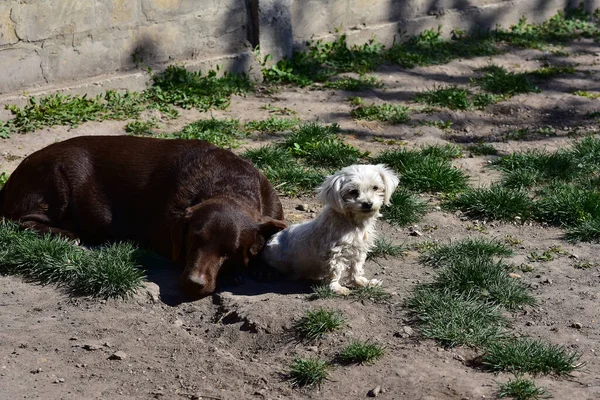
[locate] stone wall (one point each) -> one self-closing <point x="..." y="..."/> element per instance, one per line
<point x="49" y="44"/>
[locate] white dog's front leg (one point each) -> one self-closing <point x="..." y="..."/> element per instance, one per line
<point x="337" y="270"/>
<point x="358" y="274"/>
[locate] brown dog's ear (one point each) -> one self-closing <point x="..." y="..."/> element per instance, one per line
<point x="267" y="227"/>
<point x="178" y="233"/>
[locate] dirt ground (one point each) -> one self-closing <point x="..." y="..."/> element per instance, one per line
<point x="237" y="344"/>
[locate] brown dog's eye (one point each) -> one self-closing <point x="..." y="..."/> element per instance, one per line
<point x="354" y="192"/>
<point x="376" y="188"/>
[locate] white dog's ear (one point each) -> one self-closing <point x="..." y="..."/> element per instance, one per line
<point x="390" y="180"/>
<point x="329" y="192"/>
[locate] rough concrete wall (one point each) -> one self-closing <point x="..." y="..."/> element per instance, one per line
<point x="52" y="41"/>
<point x="56" y="43"/>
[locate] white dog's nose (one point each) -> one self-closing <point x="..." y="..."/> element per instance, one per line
<point x="367" y="205"/>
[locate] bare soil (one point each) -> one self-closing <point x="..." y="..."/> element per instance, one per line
<point x="238" y="343"/>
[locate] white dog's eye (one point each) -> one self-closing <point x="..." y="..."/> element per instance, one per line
<point x="376" y="188"/>
<point x="354" y="192"/>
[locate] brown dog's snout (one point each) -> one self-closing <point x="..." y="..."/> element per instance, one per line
<point x="196" y="285"/>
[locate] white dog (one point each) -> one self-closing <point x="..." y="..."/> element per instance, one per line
<point x="334" y="246"/>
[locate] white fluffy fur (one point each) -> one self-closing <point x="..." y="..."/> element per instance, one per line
<point x="334" y="246"/>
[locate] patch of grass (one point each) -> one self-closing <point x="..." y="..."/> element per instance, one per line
<point x="182" y="88"/>
<point x="588" y="95"/>
<point x="383" y="249"/>
<point x="279" y="110"/>
<point x="551" y="71"/>
<point x="526" y="355"/>
<point x="443" y="152"/>
<point x="443" y="255"/>
<point x="495" y="202"/>
<point x="373" y="293"/>
<point x="584" y="264"/>
<point x="272" y="125"/>
<point x="588" y="231"/>
<point x="404" y="208"/>
<point x="105" y="272"/>
<point x="307" y="372"/>
<point x="484" y="278"/>
<point x="269" y="156"/>
<point x="498" y="80"/>
<point x="354" y="84"/>
<point x="451" y="97"/>
<point x="429" y="48"/>
<point x="220" y="132"/>
<point x="319" y="145"/>
<point x="359" y="352"/>
<point x="482" y="149"/>
<point x="315" y="324"/>
<point x="522" y="389"/>
<point x="140" y="128"/>
<point x="425" y="172"/>
<point x="567" y="205"/>
<point x="394" y="114"/>
<point x="3" y="178"/>
<point x="322" y="60"/>
<point x="322" y="292"/>
<point x="512" y="240"/>
<point x="444" y="125"/>
<point x="59" y="109"/>
<point x="455" y="319"/>
<point x="482" y="100"/>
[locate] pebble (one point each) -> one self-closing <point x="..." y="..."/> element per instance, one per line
<point x="36" y="371"/>
<point x="91" y="347"/>
<point x="178" y="323"/>
<point x="416" y="233"/>
<point x="374" y="392"/>
<point x="576" y="325"/>
<point x="302" y="207"/>
<point x="59" y="380"/>
<point x="405" y="332"/>
<point x="118" y="355"/>
<point x="513" y="275"/>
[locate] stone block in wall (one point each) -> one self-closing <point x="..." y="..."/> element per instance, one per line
<point x="167" y="10"/>
<point x="21" y="68"/>
<point x="276" y="27"/>
<point x="8" y="35"/>
<point x="117" y="13"/>
<point x="42" y="19"/>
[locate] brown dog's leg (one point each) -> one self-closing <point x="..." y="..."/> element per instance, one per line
<point x="44" y="229"/>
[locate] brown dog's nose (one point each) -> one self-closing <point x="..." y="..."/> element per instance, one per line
<point x="194" y="285"/>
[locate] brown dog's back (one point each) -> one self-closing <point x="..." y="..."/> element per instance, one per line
<point x="105" y="188"/>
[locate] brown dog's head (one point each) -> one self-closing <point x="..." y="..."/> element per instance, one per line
<point x="215" y="233"/>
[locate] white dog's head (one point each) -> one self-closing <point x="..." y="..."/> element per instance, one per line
<point x="359" y="189"/>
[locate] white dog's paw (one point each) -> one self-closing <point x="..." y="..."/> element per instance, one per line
<point x="339" y="289"/>
<point x="361" y="281"/>
<point x="375" y="282"/>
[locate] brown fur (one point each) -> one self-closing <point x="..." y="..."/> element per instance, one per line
<point x="188" y="200"/>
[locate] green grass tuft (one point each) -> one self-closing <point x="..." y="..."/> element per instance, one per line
<point x="482" y="149"/>
<point x="3" y="178"/>
<point x="567" y="205"/>
<point x="308" y="372"/>
<point x="404" y="208"/>
<point x="444" y="152"/>
<point x="451" y="97"/>
<point x="315" y="324"/>
<point x="319" y="145"/>
<point x="526" y="355"/>
<point x="394" y="114"/>
<point x="384" y="248"/>
<point x="494" y="203"/>
<point x="182" y="88"/>
<point x="359" y="352"/>
<point x="588" y="231"/>
<point x="140" y="128"/>
<point x="484" y="278"/>
<point x="456" y="319"/>
<point x="427" y="170"/>
<point x="354" y="84"/>
<point x="522" y="389"/>
<point x="498" y="80"/>
<point x="272" y="125"/>
<point x="105" y="272"/>
<point x="220" y="132"/>
<point x="374" y="293"/>
<point x="442" y="255"/>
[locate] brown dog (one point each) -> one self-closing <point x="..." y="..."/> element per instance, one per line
<point x="188" y="200"/>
